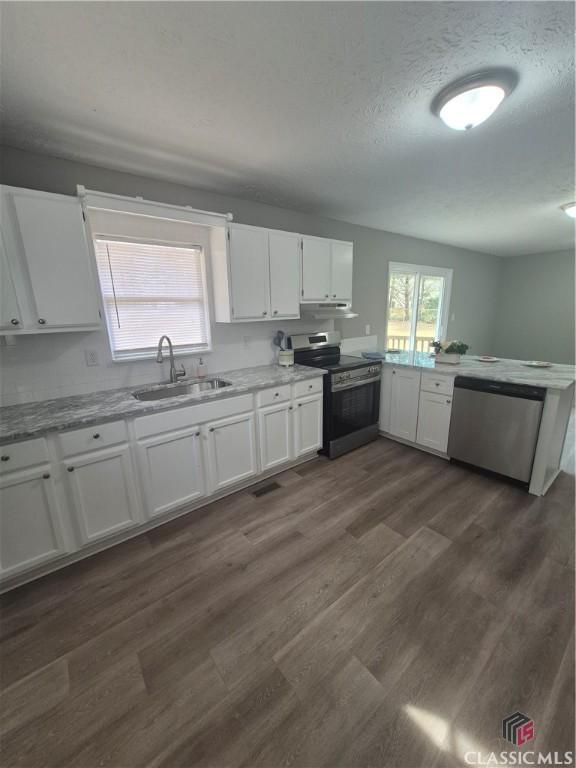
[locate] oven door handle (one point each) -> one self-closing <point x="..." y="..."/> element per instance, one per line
<point x="354" y="384"/>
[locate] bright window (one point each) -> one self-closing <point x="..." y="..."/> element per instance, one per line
<point x="418" y="304"/>
<point x="152" y="288"/>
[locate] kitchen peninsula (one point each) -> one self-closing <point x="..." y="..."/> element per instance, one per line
<point x="417" y="405"/>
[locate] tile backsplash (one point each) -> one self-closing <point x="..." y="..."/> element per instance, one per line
<point x="38" y="367"/>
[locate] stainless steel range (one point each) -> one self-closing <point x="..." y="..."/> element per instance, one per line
<point x="351" y="391"/>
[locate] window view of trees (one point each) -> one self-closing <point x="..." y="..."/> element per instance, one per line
<point x="401" y="310"/>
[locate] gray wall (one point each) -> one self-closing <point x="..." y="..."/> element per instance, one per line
<point x="476" y="276"/>
<point x="535" y="319"/>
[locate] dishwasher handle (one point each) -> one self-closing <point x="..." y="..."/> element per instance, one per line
<point x="525" y="391"/>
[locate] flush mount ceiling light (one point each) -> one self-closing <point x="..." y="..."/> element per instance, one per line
<point x="466" y="103"/>
<point x="569" y="209"/>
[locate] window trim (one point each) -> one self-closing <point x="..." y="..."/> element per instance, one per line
<point x="419" y="270"/>
<point x="149" y="353"/>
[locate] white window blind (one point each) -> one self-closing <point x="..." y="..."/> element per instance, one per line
<point x="150" y="289"/>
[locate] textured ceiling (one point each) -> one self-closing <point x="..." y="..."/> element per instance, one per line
<point x="323" y="107"/>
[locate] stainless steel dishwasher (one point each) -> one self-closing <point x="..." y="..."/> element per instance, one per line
<point x="495" y="425"/>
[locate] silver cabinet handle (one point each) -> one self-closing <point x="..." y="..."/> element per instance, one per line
<point x="5" y="457"/>
<point x="211" y="429"/>
<point x="299" y="405"/>
<point x="290" y="407"/>
<point x="275" y="311"/>
<point x="448" y="401"/>
<point x="264" y="313"/>
<point x="333" y="295"/>
<point x="46" y="476"/>
<point x="326" y="296"/>
<point x="394" y="373"/>
<point x="437" y="384"/>
<point x="96" y="435"/>
<point x="70" y="469"/>
<point x="196" y="434"/>
<point x="15" y="321"/>
<point x="41" y="321"/>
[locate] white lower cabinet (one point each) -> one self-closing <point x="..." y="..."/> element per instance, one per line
<point x="434" y="421"/>
<point x="307" y="424"/>
<point x="404" y="395"/>
<point x="30" y="526"/>
<point x="171" y="470"/>
<point x="102" y="492"/>
<point x="275" y="434"/>
<point x="231" y="450"/>
<point x="77" y="488"/>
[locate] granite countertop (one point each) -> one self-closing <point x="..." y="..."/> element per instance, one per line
<point x="558" y="376"/>
<point x="20" y="422"/>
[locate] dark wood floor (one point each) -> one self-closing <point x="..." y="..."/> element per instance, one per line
<point x="384" y="609"/>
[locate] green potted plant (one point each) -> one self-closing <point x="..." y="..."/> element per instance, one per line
<point x="449" y="351"/>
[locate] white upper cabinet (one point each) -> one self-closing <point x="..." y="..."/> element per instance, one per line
<point x="256" y="275"/>
<point x="284" y="274"/>
<point x="326" y="270"/>
<point x="10" y="313"/>
<point x="249" y="273"/>
<point x="342" y="258"/>
<point x="316" y="261"/>
<point x="49" y="260"/>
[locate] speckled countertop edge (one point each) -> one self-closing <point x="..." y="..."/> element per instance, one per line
<point x="30" y="420"/>
<point x="558" y="376"/>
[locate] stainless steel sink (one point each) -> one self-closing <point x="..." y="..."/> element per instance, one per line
<point x="181" y="388"/>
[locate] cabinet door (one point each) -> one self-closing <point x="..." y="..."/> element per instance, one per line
<point x="316" y="260"/>
<point x="10" y="314"/>
<point x="102" y="491"/>
<point x="231" y="450"/>
<point x="307" y="424"/>
<point x="385" y="398"/>
<point x="284" y="274"/>
<point x="275" y="432"/>
<point x="30" y="528"/>
<point x="249" y="274"/>
<point x="404" y="403"/>
<point x="58" y="261"/>
<point x="341" y="285"/>
<point x="172" y="470"/>
<point x="434" y="421"/>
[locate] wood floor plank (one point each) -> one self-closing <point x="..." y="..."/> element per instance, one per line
<point x="34" y="695"/>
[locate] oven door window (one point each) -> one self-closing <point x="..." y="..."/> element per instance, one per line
<point x="354" y="409"/>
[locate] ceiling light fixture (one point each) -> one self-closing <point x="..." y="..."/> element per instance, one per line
<point x="569" y="209"/>
<point x="470" y="101"/>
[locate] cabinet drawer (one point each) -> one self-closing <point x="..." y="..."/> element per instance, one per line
<point x="92" y="438"/>
<point x="183" y="418"/>
<point x="308" y="387"/>
<point x="443" y="385"/>
<point x="22" y="455"/>
<point x="273" y="395"/>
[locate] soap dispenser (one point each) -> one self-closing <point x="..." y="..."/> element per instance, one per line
<point x="201" y="368"/>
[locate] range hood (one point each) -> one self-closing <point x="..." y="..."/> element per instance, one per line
<point x="337" y="310"/>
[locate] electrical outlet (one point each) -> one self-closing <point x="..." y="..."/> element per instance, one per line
<point x="91" y="357"/>
<point x="368" y="329"/>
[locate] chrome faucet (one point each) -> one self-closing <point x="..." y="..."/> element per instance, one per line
<point x="175" y="374"/>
